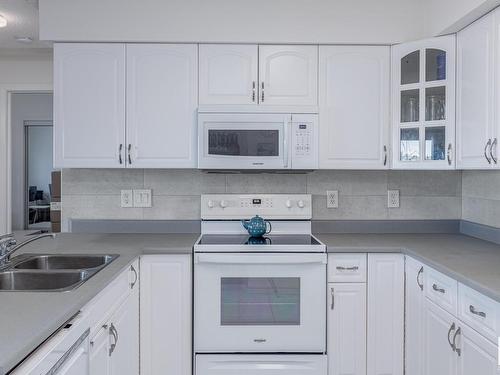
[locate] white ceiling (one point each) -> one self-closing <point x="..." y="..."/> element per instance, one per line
<point x="22" y="18"/>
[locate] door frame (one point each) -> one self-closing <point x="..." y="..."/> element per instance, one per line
<point x="6" y="91"/>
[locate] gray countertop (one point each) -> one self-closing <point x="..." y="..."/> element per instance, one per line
<point x="29" y="318"/>
<point x="471" y="261"/>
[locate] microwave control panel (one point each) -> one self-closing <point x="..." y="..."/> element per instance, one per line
<point x="304" y="147"/>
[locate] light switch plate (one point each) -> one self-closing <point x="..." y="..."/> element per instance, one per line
<point x="127" y="199"/>
<point x="392" y="198"/>
<point x="142" y="198"/>
<point x="332" y="199"/>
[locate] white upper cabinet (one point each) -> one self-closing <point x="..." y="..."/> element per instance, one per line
<point x="161" y="105"/>
<point x="288" y="75"/>
<point x="354" y="107"/>
<point x="423" y="94"/>
<point x="228" y="74"/>
<point x="89" y="105"/>
<point x="477" y="135"/>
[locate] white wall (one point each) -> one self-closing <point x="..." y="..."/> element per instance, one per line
<point x="18" y="70"/>
<point x="261" y="21"/>
<point x="25" y="107"/>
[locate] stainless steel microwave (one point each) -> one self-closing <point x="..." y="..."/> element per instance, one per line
<point x="239" y="141"/>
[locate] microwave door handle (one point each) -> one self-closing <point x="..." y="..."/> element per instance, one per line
<point x="285" y="143"/>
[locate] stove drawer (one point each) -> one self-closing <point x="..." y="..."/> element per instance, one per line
<point x="248" y="364"/>
<point x="347" y="268"/>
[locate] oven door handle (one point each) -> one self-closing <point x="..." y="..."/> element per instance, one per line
<point x="261" y="258"/>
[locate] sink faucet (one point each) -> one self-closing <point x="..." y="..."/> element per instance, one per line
<point x="8" y="246"/>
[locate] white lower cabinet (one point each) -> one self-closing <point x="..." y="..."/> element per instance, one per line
<point x="414" y="308"/>
<point x="385" y="314"/>
<point x="347" y="329"/>
<point x="166" y="315"/>
<point x="477" y="354"/>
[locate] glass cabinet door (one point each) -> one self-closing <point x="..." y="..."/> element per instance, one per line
<point x="424" y="103"/>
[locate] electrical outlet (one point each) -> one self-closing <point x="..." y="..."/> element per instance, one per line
<point x="393" y="198"/>
<point x="142" y="198"/>
<point x="332" y="199"/>
<point x="127" y="198"/>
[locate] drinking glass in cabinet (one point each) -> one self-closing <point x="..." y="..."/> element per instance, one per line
<point x="410" y="68"/>
<point x="435" y="143"/>
<point x="435" y="103"/>
<point x="409" y="144"/>
<point x="435" y="64"/>
<point x="410" y="105"/>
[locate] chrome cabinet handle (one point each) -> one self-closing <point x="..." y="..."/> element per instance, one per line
<point x="420" y="272"/>
<point x="488" y="144"/>
<point x="440" y="290"/>
<point x="262" y="93"/>
<point x="452" y="328"/>
<point x="385" y="155"/>
<point x="473" y="310"/>
<point x="457" y="350"/>
<point x="132" y="284"/>
<point x="128" y="152"/>
<point x="253" y="91"/>
<point x="353" y="268"/>
<point x="494" y="144"/>
<point x="448" y="154"/>
<point x="114" y="333"/>
<point x="120" y="153"/>
<point x="332" y="293"/>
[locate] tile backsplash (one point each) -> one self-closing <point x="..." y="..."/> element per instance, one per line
<point x="481" y="197"/>
<point x="95" y="193"/>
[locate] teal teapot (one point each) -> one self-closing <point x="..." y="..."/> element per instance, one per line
<point x="256" y="226"/>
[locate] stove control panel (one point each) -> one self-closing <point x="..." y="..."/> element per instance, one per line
<point x="269" y="206"/>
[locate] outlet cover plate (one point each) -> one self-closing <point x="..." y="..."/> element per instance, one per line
<point x="142" y="198"/>
<point x="332" y="199"/>
<point x="127" y="199"/>
<point x="393" y="198"/>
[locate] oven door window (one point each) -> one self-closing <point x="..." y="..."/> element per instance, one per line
<point x="271" y="301"/>
<point x="244" y="142"/>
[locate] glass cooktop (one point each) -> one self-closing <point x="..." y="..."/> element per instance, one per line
<point x="243" y="239"/>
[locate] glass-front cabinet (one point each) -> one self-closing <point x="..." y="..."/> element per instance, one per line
<point x="423" y="84"/>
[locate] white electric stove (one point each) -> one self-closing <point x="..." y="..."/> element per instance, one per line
<point x="259" y="303"/>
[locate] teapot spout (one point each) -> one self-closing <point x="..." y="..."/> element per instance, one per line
<point x="245" y="223"/>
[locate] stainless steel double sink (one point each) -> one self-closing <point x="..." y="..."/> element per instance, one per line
<point x="51" y="272"/>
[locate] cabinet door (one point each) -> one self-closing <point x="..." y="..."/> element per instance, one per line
<point x="99" y="352"/>
<point x="165" y="285"/>
<point x="89" y="105"/>
<point x="124" y="337"/>
<point x="161" y="105"/>
<point x="228" y="74"/>
<point x="477" y="354"/>
<point x="385" y="320"/>
<point x="347" y="329"/>
<point x="288" y="75"/>
<point x="424" y="104"/>
<point x="354" y="107"/>
<point x="475" y="93"/>
<point x="439" y="328"/>
<point x="414" y="317"/>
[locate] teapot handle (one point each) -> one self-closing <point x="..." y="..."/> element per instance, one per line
<point x="270" y="227"/>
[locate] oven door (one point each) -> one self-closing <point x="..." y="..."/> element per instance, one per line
<point x="243" y="141"/>
<point x="260" y="303"/>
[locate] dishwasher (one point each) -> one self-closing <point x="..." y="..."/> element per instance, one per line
<point x="65" y="353"/>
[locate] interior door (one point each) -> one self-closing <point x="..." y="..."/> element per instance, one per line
<point x="475" y="93"/>
<point x="354" y="107"/>
<point x="228" y="74"/>
<point x="162" y="100"/>
<point x="288" y="75"/>
<point x="260" y="303"/>
<point x="242" y="364"/>
<point x="89" y="105"/>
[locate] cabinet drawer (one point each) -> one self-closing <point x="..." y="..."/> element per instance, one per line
<point x="441" y="289"/>
<point x="479" y="312"/>
<point x="347" y="268"/>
